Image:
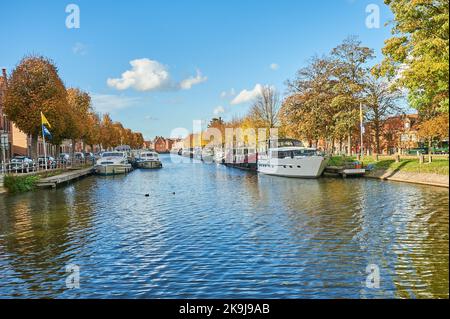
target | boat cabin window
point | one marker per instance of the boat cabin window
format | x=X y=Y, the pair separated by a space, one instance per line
x=304 y=152
x=285 y=143
x=292 y=154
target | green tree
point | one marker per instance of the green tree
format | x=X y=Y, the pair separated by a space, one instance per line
x=417 y=56
x=381 y=102
x=307 y=113
x=350 y=69
x=34 y=87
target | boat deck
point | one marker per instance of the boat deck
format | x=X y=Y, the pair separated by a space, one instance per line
x=344 y=172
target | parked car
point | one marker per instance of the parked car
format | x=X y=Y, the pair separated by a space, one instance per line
x=440 y=150
x=420 y=150
x=64 y=158
x=78 y=156
x=20 y=164
x=90 y=157
x=51 y=162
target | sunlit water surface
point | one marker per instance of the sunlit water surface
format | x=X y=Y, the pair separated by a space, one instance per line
x=208 y=231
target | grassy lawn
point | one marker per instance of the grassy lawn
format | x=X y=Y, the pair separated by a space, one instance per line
x=407 y=164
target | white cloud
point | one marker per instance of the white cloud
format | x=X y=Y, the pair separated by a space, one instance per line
x=145 y=75
x=218 y=110
x=186 y=84
x=150 y=75
x=247 y=96
x=274 y=66
x=79 y=48
x=108 y=103
x=225 y=94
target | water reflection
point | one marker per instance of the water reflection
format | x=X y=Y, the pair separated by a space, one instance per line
x=211 y=231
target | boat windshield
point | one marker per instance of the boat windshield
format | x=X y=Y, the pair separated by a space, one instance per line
x=148 y=155
x=112 y=155
x=294 y=153
x=285 y=143
x=304 y=152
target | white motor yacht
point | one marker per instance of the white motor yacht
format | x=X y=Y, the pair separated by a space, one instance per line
x=289 y=158
x=113 y=163
x=148 y=160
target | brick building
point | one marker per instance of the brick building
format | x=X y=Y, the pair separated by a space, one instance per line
x=398 y=133
x=5 y=124
x=163 y=145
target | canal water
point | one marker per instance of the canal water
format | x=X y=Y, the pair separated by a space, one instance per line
x=208 y=231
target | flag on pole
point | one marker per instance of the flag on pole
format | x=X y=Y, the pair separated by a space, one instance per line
x=45 y=131
x=44 y=120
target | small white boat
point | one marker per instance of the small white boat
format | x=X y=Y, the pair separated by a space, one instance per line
x=288 y=158
x=148 y=160
x=219 y=155
x=187 y=152
x=113 y=163
x=207 y=155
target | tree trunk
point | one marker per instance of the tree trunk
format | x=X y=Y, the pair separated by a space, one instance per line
x=377 y=139
x=429 y=150
x=34 y=147
x=72 y=149
x=349 y=143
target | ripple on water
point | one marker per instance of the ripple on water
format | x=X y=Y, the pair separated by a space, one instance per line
x=225 y=234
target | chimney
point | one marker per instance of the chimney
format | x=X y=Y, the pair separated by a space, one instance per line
x=4 y=73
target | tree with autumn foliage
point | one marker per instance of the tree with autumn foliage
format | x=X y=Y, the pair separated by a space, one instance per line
x=78 y=109
x=92 y=134
x=34 y=87
x=434 y=129
x=107 y=138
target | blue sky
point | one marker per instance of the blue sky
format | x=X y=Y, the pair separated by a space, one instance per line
x=191 y=57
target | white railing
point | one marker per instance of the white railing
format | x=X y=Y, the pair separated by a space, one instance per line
x=14 y=167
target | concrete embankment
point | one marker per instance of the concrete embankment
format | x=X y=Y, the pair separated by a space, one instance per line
x=410 y=177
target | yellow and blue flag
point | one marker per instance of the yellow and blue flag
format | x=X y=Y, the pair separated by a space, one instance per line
x=45 y=123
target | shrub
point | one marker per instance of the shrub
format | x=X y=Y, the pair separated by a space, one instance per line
x=20 y=184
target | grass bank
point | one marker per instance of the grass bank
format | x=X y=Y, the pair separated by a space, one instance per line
x=408 y=169
x=20 y=183
x=439 y=165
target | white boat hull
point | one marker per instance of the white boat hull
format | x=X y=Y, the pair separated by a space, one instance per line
x=149 y=164
x=307 y=167
x=113 y=169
